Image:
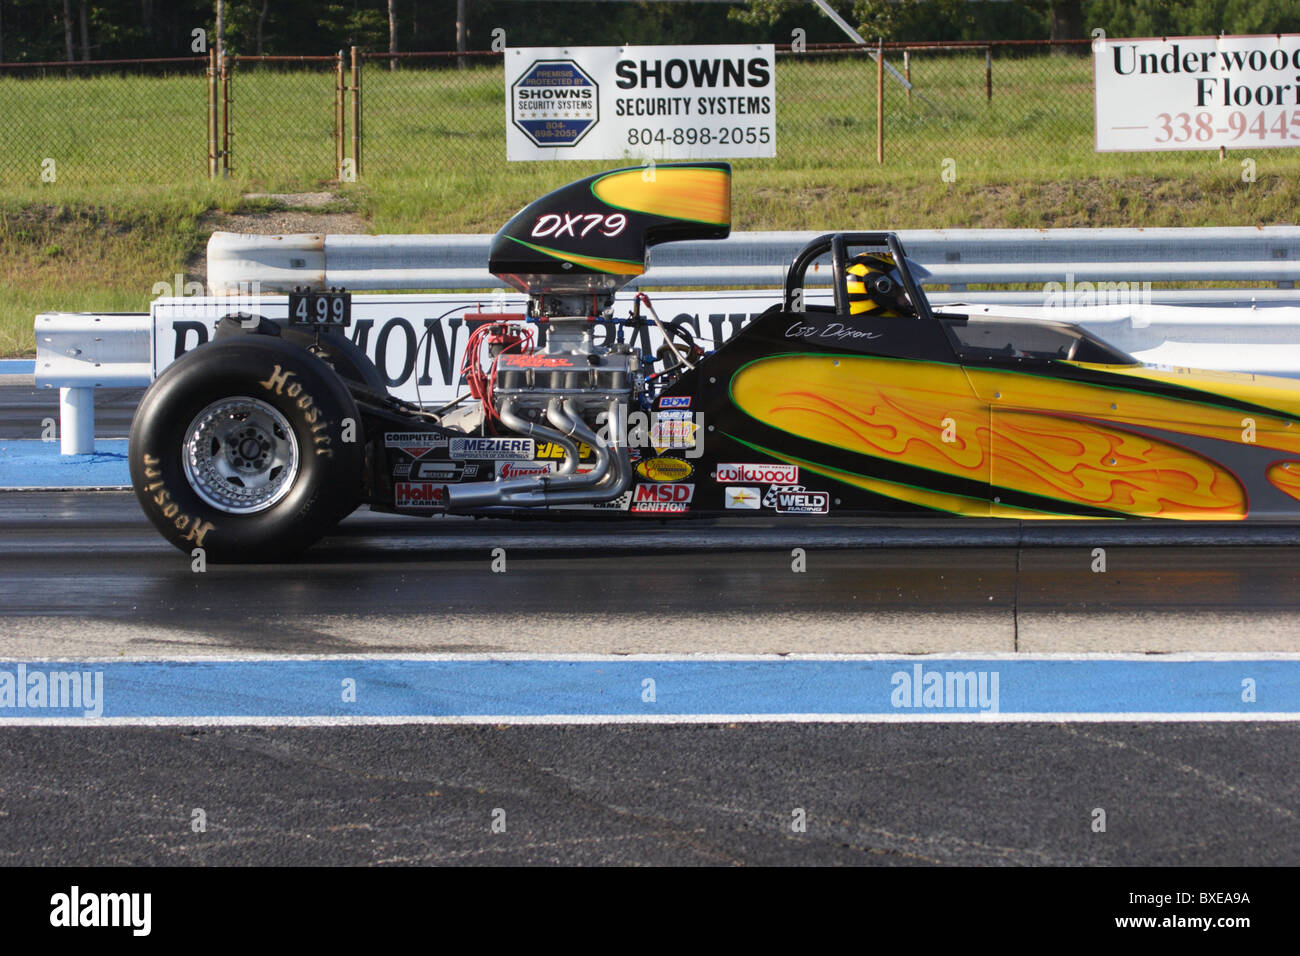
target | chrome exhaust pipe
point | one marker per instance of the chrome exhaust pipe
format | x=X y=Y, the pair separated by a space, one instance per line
x=532 y=429
x=609 y=477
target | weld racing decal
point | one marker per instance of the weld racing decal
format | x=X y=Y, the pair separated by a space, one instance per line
x=796 y=500
x=518 y=449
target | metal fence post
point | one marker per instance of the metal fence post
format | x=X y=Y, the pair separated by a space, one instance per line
x=356 y=112
x=225 y=114
x=988 y=73
x=907 y=73
x=212 y=114
x=880 y=100
x=340 y=128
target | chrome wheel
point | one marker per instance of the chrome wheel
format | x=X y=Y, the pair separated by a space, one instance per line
x=240 y=455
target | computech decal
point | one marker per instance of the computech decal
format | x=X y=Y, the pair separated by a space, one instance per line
x=671 y=499
x=415 y=444
x=649 y=102
x=763 y=474
x=491 y=449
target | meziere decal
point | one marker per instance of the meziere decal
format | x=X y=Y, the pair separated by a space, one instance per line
x=518 y=449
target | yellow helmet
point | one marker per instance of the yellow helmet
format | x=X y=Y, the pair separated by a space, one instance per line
x=875 y=287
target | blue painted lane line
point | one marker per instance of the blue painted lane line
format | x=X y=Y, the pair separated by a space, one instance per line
x=31 y=463
x=622 y=688
x=17 y=366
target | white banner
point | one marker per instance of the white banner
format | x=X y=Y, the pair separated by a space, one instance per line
x=1238 y=92
x=418 y=341
x=641 y=102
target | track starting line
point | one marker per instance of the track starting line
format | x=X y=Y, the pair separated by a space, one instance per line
x=649 y=689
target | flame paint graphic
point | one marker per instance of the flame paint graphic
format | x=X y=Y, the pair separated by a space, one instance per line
x=929 y=416
x=1285 y=476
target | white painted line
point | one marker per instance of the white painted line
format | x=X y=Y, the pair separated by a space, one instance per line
x=1173 y=657
x=594 y=719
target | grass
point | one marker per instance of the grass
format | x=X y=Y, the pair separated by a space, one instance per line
x=104 y=231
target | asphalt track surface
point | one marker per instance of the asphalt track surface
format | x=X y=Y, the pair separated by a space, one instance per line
x=83 y=576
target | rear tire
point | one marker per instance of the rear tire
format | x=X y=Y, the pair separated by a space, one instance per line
x=239 y=448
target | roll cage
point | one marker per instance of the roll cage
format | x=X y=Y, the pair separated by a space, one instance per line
x=838 y=244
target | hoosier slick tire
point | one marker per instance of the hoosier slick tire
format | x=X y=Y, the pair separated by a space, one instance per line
x=243 y=448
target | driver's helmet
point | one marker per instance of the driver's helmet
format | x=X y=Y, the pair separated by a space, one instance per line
x=875 y=286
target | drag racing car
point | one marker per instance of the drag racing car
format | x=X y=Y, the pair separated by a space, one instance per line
x=256 y=444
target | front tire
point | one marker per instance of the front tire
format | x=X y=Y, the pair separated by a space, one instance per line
x=249 y=448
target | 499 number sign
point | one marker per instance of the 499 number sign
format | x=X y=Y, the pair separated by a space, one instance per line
x=320 y=308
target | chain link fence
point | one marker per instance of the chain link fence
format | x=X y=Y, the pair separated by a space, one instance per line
x=300 y=122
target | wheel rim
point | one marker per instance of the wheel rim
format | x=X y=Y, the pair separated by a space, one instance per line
x=240 y=455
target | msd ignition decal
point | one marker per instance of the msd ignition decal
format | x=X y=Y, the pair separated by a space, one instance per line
x=748 y=499
x=415 y=444
x=492 y=449
x=661 y=102
x=796 y=500
x=417 y=494
x=675 y=499
x=554 y=102
x=761 y=474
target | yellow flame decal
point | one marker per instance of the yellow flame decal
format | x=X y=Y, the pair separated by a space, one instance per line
x=926 y=415
x=1285 y=476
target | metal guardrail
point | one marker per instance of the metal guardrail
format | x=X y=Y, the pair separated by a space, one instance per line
x=78 y=352
x=956 y=258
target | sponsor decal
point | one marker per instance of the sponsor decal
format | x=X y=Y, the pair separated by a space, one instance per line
x=525 y=469
x=548 y=449
x=417 y=494
x=774 y=474
x=798 y=501
x=674 y=415
x=663 y=498
x=446 y=470
x=402 y=469
x=536 y=361
x=664 y=469
x=675 y=401
x=415 y=444
x=672 y=434
x=749 y=499
x=518 y=449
